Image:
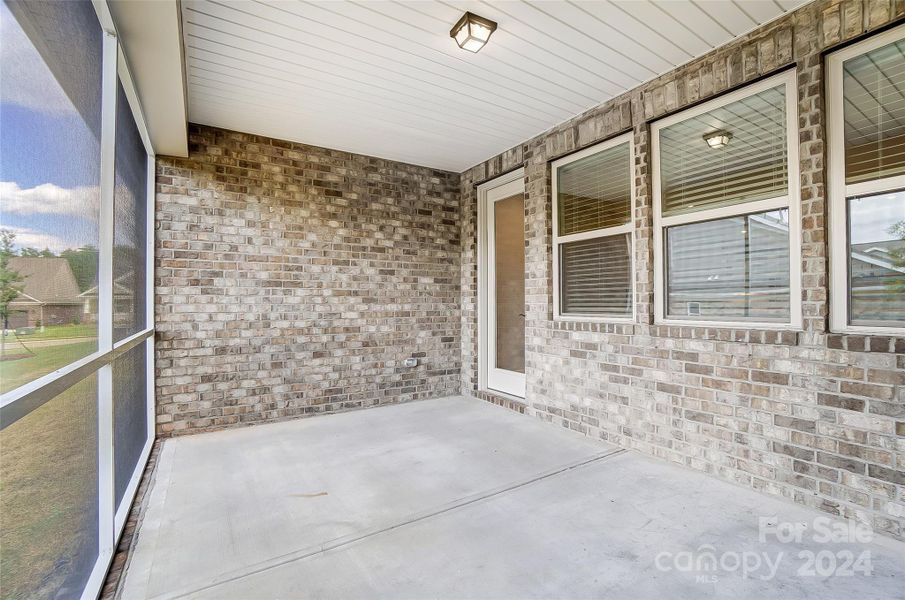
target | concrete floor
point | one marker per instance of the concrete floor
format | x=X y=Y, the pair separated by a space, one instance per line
x=457 y=498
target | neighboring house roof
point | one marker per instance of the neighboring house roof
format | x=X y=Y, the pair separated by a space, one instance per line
x=724 y=277
x=876 y=261
x=122 y=287
x=45 y=280
x=879 y=254
x=23 y=298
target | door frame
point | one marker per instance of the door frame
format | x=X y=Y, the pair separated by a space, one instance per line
x=488 y=192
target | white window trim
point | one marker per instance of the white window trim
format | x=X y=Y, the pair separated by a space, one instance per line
x=791 y=201
x=839 y=192
x=629 y=228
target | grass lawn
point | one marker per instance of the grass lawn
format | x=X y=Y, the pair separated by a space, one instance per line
x=45 y=359
x=48 y=471
x=55 y=332
x=48 y=489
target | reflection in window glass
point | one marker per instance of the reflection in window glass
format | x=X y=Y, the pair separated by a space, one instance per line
x=130 y=224
x=876 y=229
x=130 y=415
x=595 y=192
x=733 y=269
x=48 y=469
x=751 y=165
x=873 y=89
x=50 y=109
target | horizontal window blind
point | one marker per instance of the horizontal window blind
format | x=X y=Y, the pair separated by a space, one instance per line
x=595 y=192
x=595 y=276
x=873 y=93
x=753 y=166
x=734 y=268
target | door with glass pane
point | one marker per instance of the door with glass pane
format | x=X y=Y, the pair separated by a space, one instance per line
x=503 y=283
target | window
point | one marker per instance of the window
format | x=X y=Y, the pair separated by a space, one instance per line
x=593 y=238
x=726 y=215
x=76 y=338
x=866 y=101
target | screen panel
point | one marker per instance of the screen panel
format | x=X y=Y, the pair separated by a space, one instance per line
x=49 y=499
x=50 y=108
x=130 y=415
x=130 y=223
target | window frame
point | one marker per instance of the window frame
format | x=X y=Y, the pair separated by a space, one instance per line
x=627 y=228
x=21 y=401
x=838 y=192
x=790 y=201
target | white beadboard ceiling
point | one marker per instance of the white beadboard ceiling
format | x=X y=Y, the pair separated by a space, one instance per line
x=384 y=78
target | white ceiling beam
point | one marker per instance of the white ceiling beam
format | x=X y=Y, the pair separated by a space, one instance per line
x=151 y=36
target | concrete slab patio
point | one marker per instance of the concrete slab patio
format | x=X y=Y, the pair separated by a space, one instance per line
x=457 y=498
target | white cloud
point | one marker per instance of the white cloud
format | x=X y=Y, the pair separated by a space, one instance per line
x=29 y=238
x=872 y=217
x=48 y=199
x=27 y=80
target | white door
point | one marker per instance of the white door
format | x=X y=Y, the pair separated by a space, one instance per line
x=501 y=285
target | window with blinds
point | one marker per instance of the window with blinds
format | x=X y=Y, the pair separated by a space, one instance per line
x=727 y=224
x=752 y=166
x=873 y=96
x=866 y=133
x=594 y=192
x=592 y=240
x=596 y=276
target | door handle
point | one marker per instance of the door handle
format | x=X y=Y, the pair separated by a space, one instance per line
x=521 y=314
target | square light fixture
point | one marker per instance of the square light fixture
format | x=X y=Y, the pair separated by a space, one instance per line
x=718 y=139
x=471 y=32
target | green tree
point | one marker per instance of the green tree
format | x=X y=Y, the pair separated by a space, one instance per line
x=83 y=263
x=35 y=253
x=8 y=280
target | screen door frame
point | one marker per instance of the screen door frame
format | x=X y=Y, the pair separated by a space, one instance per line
x=490 y=378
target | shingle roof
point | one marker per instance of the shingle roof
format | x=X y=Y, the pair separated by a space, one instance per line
x=48 y=280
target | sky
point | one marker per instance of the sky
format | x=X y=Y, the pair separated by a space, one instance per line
x=48 y=156
x=871 y=217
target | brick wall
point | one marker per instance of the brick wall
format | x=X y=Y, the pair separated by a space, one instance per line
x=812 y=416
x=293 y=280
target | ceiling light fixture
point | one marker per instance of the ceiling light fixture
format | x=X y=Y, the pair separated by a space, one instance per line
x=471 y=32
x=718 y=139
